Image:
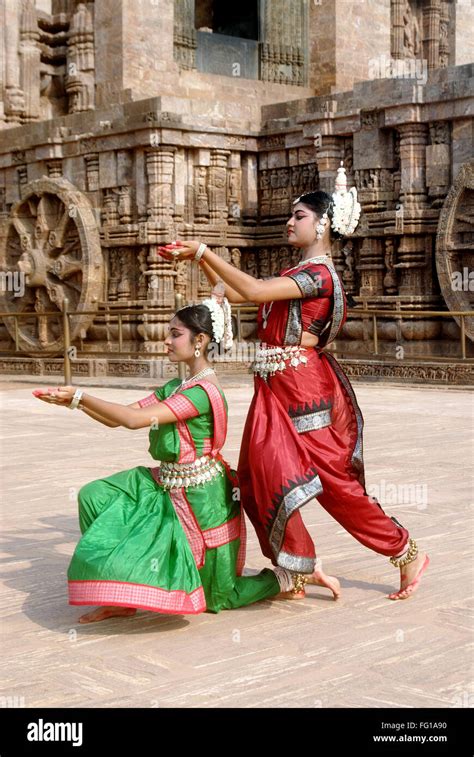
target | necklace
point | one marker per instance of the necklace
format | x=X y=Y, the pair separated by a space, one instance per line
x=205 y=372
x=316 y=259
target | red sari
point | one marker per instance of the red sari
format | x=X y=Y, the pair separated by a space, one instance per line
x=303 y=434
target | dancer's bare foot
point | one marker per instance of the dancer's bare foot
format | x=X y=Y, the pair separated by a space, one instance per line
x=319 y=578
x=410 y=576
x=102 y=613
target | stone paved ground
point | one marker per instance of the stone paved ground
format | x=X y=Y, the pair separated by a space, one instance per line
x=363 y=651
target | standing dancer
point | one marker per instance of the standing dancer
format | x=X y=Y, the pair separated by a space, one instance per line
x=168 y=539
x=303 y=435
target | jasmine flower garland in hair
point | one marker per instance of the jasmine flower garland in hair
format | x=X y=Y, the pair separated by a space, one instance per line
x=228 y=338
x=345 y=206
x=221 y=315
x=217 y=317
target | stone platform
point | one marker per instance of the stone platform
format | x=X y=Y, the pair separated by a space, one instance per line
x=363 y=651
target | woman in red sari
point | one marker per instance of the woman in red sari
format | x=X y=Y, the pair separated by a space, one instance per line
x=303 y=434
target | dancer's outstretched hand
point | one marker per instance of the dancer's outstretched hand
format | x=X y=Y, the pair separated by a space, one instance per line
x=179 y=250
x=59 y=395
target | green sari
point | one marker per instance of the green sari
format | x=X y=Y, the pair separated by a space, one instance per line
x=169 y=550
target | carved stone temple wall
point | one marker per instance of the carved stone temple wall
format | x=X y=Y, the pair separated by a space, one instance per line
x=126 y=124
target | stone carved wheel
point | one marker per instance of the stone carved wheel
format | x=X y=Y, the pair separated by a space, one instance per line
x=52 y=244
x=455 y=246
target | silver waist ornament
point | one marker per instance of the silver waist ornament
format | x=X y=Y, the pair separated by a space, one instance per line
x=270 y=360
x=197 y=473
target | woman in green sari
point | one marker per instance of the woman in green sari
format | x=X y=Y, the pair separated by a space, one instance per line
x=170 y=539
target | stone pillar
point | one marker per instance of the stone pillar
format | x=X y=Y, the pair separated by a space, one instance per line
x=371 y=267
x=431 y=19
x=234 y=193
x=283 y=51
x=161 y=278
x=30 y=62
x=22 y=179
x=80 y=79
x=109 y=204
x=217 y=192
x=412 y=264
x=124 y=287
x=390 y=278
x=55 y=169
x=161 y=287
x=184 y=34
x=181 y=280
x=438 y=159
x=180 y=186
x=142 y=278
x=444 y=35
x=397 y=29
x=114 y=274
x=413 y=139
x=14 y=95
x=249 y=188
x=159 y=169
x=348 y=267
x=329 y=156
x=124 y=206
x=202 y=160
x=92 y=172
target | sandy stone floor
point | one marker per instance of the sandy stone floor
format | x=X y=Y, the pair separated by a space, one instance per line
x=363 y=651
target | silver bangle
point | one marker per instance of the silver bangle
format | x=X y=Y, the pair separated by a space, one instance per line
x=76 y=399
x=200 y=252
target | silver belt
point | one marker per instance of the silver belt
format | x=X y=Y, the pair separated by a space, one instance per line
x=200 y=471
x=270 y=360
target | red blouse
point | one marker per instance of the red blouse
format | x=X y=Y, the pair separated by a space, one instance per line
x=287 y=319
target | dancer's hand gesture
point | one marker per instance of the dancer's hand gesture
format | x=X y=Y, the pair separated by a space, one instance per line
x=179 y=250
x=59 y=395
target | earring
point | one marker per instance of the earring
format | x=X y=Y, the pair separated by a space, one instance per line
x=197 y=351
x=321 y=226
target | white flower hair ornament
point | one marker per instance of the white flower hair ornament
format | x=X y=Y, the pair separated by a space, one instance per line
x=345 y=206
x=221 y=317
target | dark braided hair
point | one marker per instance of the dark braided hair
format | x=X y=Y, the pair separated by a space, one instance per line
x=196 y=318
x=320 y=202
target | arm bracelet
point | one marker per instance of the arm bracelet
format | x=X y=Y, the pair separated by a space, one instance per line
x=76 y=399
x=200 y=252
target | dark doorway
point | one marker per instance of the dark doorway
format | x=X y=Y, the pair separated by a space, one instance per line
x=234 y=19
